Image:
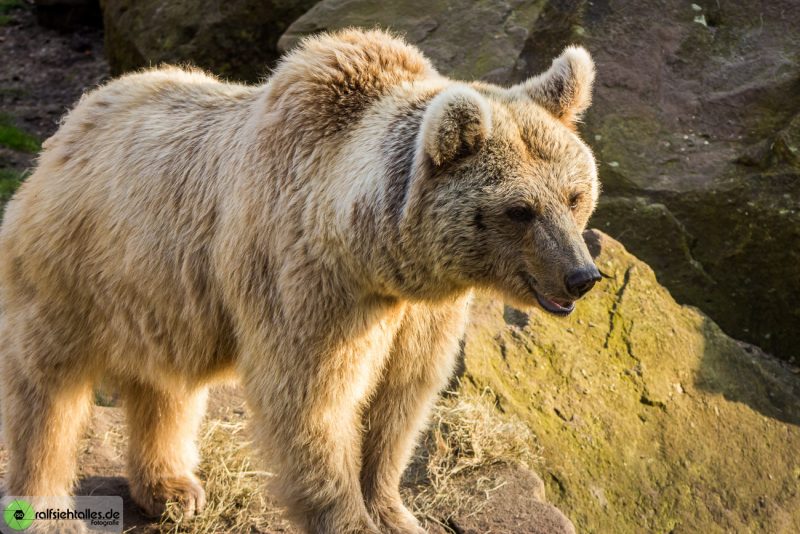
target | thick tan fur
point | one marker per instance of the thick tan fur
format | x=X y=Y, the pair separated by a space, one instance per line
x=317 y=236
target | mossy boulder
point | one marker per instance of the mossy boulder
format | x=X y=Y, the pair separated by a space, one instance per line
x=235 y=39
x=650 y=418
x=695 y=124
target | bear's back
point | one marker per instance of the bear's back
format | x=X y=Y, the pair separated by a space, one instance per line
x=127 y=190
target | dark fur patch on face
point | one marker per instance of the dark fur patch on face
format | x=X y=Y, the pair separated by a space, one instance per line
x=399 y=148
x=478 y=220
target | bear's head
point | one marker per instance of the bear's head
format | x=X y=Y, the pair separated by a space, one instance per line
x=505 y=187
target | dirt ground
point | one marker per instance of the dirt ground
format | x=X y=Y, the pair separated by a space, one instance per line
x=508 y=499
x=43 y=74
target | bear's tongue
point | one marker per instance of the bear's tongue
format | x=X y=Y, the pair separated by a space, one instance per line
x=557 y=306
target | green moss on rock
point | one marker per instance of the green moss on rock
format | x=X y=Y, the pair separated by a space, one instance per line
x=651 y=418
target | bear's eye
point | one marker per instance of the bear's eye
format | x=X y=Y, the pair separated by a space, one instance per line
x=575 y=200
x=520 y=214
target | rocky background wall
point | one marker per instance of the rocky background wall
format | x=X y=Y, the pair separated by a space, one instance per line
x=644 y=411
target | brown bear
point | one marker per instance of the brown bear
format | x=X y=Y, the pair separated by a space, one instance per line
x=317 y=236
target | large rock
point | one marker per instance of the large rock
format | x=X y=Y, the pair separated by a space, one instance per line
x=232 y=38
x=696 y=126
x=464 y=39
x=651 y=419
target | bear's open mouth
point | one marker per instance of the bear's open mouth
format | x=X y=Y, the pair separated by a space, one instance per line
x=558 y=307
x=551 y=305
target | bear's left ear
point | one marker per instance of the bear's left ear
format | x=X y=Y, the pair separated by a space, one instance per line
x=565 y=89
x=456 y=123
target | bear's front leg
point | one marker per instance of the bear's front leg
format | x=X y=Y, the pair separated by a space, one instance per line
x=419 y=366
x=162 y=452
x=306 y=407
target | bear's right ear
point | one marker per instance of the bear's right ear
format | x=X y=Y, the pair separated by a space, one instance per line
x=456 y=123
x=565 y=89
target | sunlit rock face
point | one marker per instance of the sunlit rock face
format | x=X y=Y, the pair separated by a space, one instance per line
x=650 y=418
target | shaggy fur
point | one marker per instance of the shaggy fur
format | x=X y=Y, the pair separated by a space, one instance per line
x=317 y=236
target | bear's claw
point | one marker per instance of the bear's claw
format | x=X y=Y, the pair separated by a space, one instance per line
x=185 y=492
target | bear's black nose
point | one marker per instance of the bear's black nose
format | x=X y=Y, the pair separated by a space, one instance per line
x=580 y=281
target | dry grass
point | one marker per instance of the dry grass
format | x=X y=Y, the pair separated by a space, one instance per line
x=468 y=436
x=234 y=486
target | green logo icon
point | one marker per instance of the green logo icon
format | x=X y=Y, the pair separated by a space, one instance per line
x=18 y=514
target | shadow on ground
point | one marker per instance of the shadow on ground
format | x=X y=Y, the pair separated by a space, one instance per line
x=134 y=521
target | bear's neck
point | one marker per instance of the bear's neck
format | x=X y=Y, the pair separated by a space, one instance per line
x=384 y=233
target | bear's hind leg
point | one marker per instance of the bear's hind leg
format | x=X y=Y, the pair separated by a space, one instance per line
x=162 y=453
x=44 y=410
